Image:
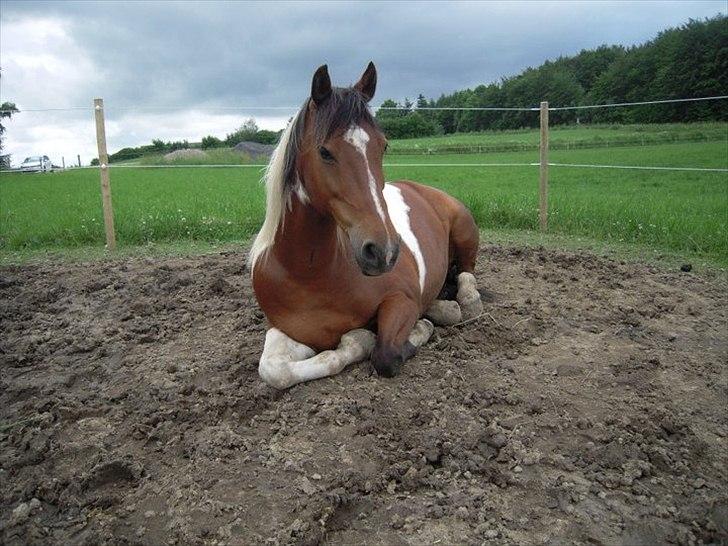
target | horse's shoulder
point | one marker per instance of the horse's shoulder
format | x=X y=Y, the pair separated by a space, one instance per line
x=438 y=200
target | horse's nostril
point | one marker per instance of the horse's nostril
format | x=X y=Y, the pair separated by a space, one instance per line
x=370 y=252
x=373 y=258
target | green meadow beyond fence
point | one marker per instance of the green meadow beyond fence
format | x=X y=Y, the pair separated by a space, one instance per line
x=595 y=204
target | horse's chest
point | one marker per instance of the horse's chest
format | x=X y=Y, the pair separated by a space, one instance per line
x=314 y=312
x=305 y=298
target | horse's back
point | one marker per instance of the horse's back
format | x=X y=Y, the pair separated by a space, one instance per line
x=446 y=207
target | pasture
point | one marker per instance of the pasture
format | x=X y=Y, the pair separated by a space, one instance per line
x=682 y=212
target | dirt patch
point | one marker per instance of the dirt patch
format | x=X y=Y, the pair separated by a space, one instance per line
x=587 y=406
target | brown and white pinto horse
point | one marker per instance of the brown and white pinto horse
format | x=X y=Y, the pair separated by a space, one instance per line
x=342 y=255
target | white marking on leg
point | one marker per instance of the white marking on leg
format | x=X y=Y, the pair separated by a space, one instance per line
x=468 y=296
x=399 y=214
x=286 y=362
x=358 y=137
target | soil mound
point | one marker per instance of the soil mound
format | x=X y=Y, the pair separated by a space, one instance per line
x=187 y=153
x=254 y=149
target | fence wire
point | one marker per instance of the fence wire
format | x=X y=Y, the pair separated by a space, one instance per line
x=427 y=108
x=617 y=104
x=420 y=165
x=242 y=166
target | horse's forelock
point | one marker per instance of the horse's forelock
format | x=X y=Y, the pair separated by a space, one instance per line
x=344 y=107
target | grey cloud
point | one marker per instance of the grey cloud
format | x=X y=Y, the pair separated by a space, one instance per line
x=186 y=54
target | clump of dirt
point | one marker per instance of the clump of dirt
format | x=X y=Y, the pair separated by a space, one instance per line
x=586 y=405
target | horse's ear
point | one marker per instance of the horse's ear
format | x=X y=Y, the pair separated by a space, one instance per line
x=321 y=85
x=367 y=85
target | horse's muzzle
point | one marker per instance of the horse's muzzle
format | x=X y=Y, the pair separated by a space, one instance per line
x=375 y=259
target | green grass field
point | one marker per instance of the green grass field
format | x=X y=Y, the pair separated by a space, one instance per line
x=565 y=137
x=685 y=212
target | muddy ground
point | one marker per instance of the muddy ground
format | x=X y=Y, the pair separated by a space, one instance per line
x=587 y=406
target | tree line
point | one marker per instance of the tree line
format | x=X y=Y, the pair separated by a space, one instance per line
x=247 y=132
x=683 y=62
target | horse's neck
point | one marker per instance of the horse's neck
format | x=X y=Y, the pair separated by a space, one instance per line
x=306 y=245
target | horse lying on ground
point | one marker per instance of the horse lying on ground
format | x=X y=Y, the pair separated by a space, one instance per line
x=342 y=255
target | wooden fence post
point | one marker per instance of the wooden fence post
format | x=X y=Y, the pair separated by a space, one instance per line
x=104 y=170
x=543 y=185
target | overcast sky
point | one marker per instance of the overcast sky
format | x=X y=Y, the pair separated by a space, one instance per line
x=164 y=67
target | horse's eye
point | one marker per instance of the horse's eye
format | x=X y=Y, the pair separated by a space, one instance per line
x=326 y=155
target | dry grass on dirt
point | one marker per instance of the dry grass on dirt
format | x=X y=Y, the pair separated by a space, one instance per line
x=587 y=406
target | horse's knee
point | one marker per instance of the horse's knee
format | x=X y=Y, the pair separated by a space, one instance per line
x=274 y=373
x=279 y=351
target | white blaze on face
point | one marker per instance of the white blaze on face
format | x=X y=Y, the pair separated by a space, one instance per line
x=358 y=137
x=399 y=215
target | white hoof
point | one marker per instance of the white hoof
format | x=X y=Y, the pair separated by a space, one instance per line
x=468 y=296
x=421 y=332
x=444 y=312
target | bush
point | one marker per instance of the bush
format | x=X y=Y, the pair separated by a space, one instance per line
x=245 y=133
x=178 y=145
x=413 y=125
x=125 y=153
x=211 y=142
x=267 y=137
x=158 y=145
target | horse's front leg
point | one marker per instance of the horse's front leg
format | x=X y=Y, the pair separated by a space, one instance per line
x=399 y=333
x=285 y=362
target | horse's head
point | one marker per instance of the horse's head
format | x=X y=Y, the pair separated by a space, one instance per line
x=339 y=167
